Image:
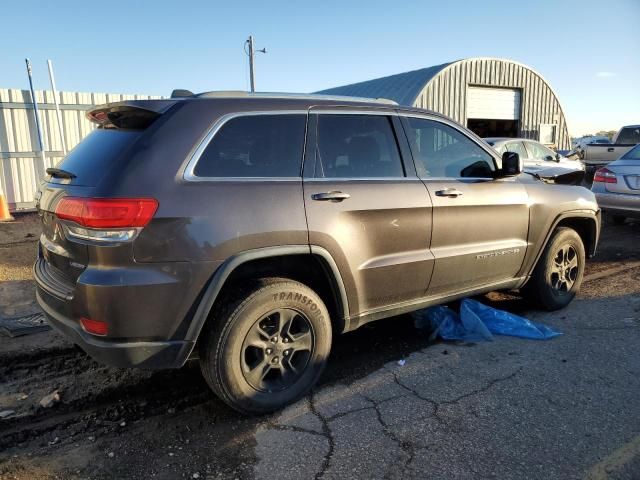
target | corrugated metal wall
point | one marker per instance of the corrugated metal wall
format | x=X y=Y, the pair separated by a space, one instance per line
x=447 y=93
x=19 y=154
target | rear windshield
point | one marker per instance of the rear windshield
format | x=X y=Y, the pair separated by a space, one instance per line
x=92 y=157
x=629 y=135
x=633 y=154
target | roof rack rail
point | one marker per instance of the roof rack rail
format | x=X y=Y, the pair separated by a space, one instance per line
x=295 y=96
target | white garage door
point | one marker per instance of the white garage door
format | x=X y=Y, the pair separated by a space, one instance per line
x=493 y=103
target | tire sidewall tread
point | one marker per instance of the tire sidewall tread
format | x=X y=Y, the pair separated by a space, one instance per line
x=226 y=325
x=538 y=288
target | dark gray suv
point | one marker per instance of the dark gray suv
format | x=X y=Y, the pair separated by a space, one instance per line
x=248 y=229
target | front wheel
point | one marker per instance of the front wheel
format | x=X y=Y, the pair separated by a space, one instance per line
x=558 y=275
x=266 y=347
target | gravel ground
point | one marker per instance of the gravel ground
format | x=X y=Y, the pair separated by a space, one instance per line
x=565 y=408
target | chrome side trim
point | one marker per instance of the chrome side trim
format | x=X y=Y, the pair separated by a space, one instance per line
x=349 y=110
x=360 y=179
x=189 y=175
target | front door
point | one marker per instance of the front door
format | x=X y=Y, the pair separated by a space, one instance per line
x=367 y=208
x=480 y=224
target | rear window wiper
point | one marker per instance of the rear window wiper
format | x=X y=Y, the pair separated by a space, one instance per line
x=59 y=173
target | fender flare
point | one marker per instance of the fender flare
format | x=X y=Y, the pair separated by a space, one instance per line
x=219 y=278
x=592 y=215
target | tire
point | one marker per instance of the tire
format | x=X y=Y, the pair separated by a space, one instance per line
x=266 y=347
x=558 y=274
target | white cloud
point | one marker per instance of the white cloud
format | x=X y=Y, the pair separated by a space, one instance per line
x=606 y=74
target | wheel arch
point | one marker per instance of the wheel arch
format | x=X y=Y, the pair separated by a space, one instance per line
x=314 y=266
x=585 y=222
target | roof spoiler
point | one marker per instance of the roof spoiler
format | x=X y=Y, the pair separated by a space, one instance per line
x=129 y=115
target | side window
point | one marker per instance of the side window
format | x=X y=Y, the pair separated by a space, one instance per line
x=442 y=151
x=516 y=147
x=356 y=146
x=540 y=152
x=255 y=146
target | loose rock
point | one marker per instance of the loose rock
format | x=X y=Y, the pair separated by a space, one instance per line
x=50 y=400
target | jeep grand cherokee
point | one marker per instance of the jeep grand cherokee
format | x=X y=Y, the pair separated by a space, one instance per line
x=247 y=229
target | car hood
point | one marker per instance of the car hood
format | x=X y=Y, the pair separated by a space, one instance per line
x=563 y=174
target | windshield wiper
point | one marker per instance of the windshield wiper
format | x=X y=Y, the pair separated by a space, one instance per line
x=59 y=173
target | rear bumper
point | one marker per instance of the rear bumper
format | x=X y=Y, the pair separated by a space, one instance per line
x=619 y=203
x=116 y=353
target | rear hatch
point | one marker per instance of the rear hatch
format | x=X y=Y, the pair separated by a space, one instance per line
x=62 y=259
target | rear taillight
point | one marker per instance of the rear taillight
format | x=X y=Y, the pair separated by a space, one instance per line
x=604 y=175
x=106 y=219
x=107 y=212
x=94 y=327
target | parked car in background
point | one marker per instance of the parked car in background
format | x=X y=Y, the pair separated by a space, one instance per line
x=246 y=230
x=617 y=186
x=596 y=155
x=541 y=160
x=580 y=144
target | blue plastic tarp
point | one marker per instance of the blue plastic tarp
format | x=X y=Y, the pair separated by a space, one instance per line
x=478 y=322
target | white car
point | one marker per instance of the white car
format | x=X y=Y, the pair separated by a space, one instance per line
x=541 y=160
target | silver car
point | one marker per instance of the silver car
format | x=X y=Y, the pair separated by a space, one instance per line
x=617 y=186
x=541 y=160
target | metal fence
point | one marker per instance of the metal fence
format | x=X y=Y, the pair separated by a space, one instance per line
x=20 y=161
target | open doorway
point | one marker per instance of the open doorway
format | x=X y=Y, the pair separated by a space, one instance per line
x=493 y=128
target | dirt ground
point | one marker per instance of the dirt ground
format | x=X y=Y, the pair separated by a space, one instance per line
x=116 y=423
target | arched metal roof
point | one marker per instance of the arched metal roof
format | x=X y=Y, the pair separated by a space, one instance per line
x=443 y=88
x=403 y=88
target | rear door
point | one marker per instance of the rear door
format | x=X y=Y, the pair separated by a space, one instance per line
x=480 y=224
x=367 y=207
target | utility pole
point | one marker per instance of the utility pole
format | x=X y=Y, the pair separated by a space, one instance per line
x=251 y=54
x=36 y=114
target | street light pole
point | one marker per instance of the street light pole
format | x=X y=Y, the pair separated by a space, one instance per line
x=36 y=114
x=251 y=54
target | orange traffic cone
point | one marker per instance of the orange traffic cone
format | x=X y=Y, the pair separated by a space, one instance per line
x=4 y=209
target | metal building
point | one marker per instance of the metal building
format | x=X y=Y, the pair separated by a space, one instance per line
x=493 y=97
x=21 y=166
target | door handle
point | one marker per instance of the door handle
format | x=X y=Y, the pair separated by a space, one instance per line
x=610 y=149
x=449 y=192
x=330 y=196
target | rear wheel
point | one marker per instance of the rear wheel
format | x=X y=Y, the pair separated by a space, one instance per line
x=558 y=275
x=266 y=347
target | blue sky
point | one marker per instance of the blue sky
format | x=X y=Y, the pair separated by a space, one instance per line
x=588 y=51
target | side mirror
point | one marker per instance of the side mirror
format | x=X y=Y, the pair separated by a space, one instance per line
x=511 y=164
